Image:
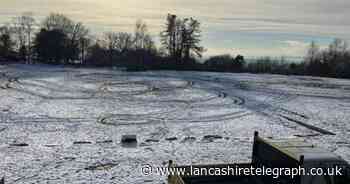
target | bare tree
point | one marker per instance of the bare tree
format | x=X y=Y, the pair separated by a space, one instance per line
x=124 y=42
x=149 y=44
x=168 y=36
x=181 y=38
x=337 y=48
x=84 y=46
x=140 y=33
x=23 y=27
x=142 y=38
x=191 y=38
x=313 y=53
x=59 y=22
x=78 y=40
x=110 y=40
x=18 y=30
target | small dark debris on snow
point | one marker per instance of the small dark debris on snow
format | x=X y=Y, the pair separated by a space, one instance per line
x=82 y=142
x=151 y=140
x=144 y=144
x=69 y=158
x=171 y=138
x=101 y=167
x=211 y=138
x=105 y=141
x=19 y=144
x=51 y=145
x=189 y=139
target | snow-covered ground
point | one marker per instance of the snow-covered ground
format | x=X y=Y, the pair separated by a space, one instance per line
x=72 y=120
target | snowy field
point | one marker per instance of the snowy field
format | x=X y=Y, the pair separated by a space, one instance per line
x=64 y=125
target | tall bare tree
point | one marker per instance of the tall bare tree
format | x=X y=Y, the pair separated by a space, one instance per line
x=313 y=53
x=168 y=36
x=142 y=38
x=337 y=48
x=59 y=22
x=191 y=38
x=182 y=37
x=140 y=33
x=124 y=42
x=85 y=44
x=24 y=26
x=110 y=40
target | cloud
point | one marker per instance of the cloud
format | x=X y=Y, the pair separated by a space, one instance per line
x=294 y=48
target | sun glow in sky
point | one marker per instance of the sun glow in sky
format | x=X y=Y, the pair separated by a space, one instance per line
x=249 y=27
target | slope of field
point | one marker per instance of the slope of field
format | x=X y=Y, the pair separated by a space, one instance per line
x=64 y=125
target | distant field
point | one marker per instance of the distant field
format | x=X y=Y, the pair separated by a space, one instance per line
x=64 y=125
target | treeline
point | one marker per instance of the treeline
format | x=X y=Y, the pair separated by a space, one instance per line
x=60 y=40
x=332 y=61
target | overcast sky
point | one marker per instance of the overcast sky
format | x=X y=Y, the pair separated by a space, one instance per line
x=249 y=27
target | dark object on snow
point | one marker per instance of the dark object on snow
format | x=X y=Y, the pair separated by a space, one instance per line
x=171 y=139
x=127 y=139
x=51 y=145
x=19 y=145
x=211 y=138
x=2 y=181
x=106 y=166
x=151 y=140
x=105 y=141
x=82 y=142
x=188 y=139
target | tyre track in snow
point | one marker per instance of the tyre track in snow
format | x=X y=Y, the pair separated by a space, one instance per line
x=266 y=107
x=224 y=88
